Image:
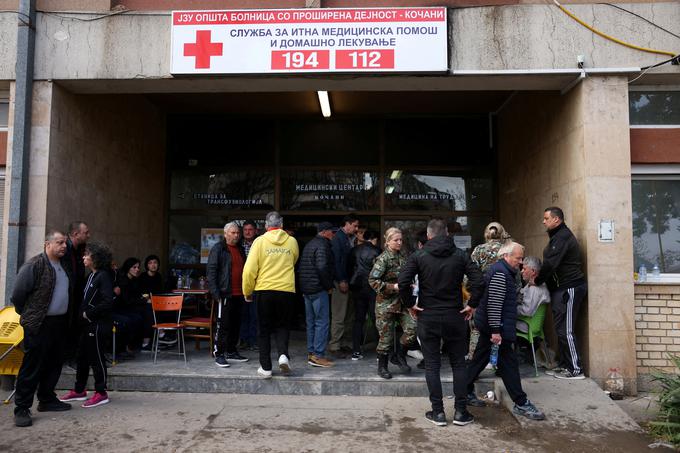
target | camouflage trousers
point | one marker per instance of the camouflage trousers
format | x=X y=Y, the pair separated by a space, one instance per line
x=386 y=323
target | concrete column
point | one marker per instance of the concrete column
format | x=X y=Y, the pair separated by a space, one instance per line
x=37 y=176
x=611 y=299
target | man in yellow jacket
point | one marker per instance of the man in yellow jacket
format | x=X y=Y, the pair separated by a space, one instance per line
x=269 y=278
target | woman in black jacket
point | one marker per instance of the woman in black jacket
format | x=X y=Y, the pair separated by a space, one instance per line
x=360 y=264
x=95 y=314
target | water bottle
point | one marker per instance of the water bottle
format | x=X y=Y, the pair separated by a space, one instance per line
x=656 y=272
x=613 y=385
x=642 y=275
x=493 y=359
x=179 y=282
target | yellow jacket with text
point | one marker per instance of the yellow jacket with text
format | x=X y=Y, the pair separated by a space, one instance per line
x=271 y=263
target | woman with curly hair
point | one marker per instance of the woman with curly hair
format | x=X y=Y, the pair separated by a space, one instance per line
x=95 y=314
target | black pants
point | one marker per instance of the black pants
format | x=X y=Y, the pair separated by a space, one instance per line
x=43 y=358
x=508 y=367
x=451 y=329
x=566 y=304
x=228 y=324
x=91 y=355
x=274 y=310
x=128 y=329
x=364 y=303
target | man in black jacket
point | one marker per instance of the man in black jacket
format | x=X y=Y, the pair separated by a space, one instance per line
x=316 y=279
x=41 y=297
x=225 y=272
x=567 y=284
x=440 y=268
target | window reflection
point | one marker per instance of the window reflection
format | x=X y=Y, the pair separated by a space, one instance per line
x=345 y=190
x=406 y=190
x=656 y=224
x=654 y=108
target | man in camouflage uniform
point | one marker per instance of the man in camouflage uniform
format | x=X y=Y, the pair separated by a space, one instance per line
x=389 y=309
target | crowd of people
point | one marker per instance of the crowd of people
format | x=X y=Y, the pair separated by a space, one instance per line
x=438 y=299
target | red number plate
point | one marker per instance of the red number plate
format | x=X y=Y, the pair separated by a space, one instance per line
x=364 y=59
x=300 y=59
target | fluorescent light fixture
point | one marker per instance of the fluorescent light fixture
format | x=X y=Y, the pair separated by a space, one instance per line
x=396 y=174
x=324 y=103
x=389 y=189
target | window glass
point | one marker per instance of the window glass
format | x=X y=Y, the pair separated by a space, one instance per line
x=228 y=189
x=656 y=224
x=435 y=190
x=4 y=114
x=654 y=107
x=329 y=142
x=321 y=190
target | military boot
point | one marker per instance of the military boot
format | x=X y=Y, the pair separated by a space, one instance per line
x=401 y=359
x=383 y=372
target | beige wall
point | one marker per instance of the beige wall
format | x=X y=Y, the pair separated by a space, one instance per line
x=573 y=151
x=100 y=159
x=107 y=167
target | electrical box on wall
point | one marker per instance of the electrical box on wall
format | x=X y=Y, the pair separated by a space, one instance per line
x=605 y=231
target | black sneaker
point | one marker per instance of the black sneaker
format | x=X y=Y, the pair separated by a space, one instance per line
x=529 y=411
x=54 y=406
x=357 y=356
x=473 y=401
x=570 y=375
x=22 y=418
x=438 y=419
x=462 y=418
x=221 y=362
x=236 y=357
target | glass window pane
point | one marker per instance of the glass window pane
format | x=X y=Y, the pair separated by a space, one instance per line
x=329 y=142
x=321 y=190
x=231 y=189
x=438 y=141
x=656 y=224
x=654 y=107
x=428 y=190
x=4 y=114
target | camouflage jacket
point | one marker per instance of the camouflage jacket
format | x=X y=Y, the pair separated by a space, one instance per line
x=385 y=271
x=484 y=255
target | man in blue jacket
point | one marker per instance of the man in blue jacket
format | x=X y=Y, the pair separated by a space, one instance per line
x=496 y=319
x=342 y=248
x=316 y=279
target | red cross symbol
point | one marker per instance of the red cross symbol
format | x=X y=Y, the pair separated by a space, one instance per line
x=203 y=49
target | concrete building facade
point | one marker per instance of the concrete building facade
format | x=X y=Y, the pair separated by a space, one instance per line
x=560 y=126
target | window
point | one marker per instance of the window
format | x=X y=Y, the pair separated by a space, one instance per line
x=4 y=114
x=656 y=218
x=654 y=108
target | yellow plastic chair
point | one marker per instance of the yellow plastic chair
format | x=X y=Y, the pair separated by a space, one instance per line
x=11 y=335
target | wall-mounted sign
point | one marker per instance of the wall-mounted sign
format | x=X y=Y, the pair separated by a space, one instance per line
x=346 y=190
x=309 y=40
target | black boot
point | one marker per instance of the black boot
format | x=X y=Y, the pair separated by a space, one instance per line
x=383 y=372
x=401 y=360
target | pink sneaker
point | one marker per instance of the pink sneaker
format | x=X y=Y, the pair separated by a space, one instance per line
x=72 y=395
x=97 y=400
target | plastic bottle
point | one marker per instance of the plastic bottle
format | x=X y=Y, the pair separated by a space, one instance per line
x=614 y=384
x=179 y=282
x=493 y=358
x=656 y=272
x=642 y=274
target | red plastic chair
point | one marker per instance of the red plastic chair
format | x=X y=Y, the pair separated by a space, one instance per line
x=168 y=303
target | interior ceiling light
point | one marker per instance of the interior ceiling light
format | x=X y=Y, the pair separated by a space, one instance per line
x=324 y=103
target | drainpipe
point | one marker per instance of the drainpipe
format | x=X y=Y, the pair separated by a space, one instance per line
x=21 y=135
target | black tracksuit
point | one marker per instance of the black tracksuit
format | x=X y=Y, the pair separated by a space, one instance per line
x=96 y=306
x=440 y=268
x=562 y=273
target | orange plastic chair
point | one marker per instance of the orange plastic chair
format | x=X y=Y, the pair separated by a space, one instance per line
x=206 y=324
x=168 y=303
x=11 y=335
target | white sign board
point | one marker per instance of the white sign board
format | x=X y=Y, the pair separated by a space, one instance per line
x=309 y=40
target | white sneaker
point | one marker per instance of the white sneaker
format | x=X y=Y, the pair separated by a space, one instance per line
x=415 y=353
x=264 y=373
x=284 y=364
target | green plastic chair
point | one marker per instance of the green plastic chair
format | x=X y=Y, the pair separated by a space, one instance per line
x=535 y=331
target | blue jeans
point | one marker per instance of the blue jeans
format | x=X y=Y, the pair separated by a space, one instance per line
x=317 y=310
